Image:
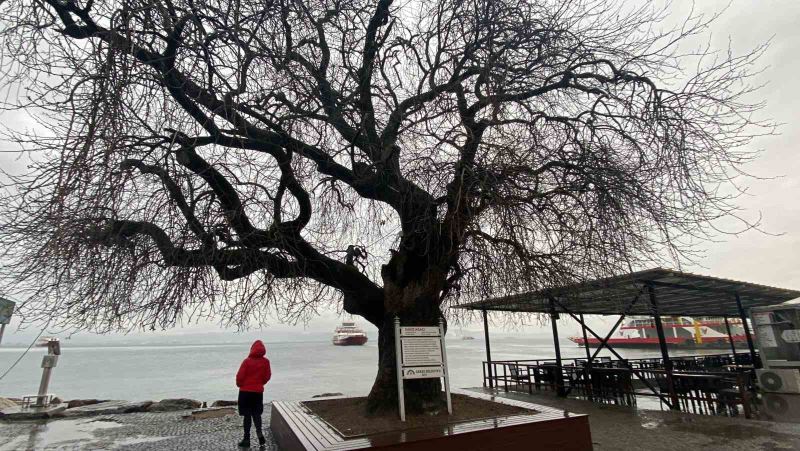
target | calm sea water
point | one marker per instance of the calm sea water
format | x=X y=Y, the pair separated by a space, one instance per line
x=206 y=371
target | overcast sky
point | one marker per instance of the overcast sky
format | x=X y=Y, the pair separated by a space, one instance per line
x=752 y=256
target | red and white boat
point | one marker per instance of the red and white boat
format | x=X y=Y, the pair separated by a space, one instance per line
x=679 y=331
x=349 y=335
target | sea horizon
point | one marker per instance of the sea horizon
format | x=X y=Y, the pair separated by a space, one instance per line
x=206 y=371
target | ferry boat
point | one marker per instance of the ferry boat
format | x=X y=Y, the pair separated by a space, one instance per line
x=349 y=335
x=681 y=331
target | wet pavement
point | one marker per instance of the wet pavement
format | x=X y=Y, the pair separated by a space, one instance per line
x=627 y=428
x=134 y=431
x=613 y=428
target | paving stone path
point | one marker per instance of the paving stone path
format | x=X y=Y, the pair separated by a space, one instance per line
x=135 y=432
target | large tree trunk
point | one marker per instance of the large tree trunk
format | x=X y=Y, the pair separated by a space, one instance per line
x=421 y=395
x=414 y=297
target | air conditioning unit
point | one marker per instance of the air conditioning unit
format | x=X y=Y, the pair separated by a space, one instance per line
x=779 y=380
x=780 y=407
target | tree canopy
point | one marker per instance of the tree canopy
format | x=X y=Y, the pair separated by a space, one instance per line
x=235 y=159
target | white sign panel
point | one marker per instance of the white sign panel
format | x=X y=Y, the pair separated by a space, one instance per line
x=420 y=351
x=419 y=331
x=420 y=354
x=791 y=336
x=422 y=372
x=766 y=337
x=761 y=318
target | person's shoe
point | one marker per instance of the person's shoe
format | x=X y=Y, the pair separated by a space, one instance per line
x=262 y=441
x=244 y=443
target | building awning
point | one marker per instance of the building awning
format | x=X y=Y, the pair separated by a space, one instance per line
x=677 y=294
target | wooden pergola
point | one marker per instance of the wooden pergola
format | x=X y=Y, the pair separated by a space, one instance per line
x=653 y=292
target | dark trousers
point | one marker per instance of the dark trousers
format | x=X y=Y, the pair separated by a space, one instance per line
x=252 y=419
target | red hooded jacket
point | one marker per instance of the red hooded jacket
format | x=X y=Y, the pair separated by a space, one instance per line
x=254 y=371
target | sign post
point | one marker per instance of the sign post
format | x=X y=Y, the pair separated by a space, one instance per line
x=6 y=310
x=420 y=354
x=49 y=361
x=444 y=365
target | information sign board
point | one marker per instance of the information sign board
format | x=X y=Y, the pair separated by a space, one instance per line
x=420 y=354
x=421 y=351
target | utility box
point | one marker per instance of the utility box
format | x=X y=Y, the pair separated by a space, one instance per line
x=777 y=330
x=780 y=407
x=49 y=361
x=6 y=310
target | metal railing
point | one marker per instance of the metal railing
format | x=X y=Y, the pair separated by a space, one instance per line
x=716 y=384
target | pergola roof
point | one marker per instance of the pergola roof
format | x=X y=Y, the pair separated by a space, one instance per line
x=677 y=294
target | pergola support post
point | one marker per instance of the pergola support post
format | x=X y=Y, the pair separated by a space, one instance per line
x=559 y=369
x=747 y=334
x=662 y=342
x=488 y=348
x=730 y=339
x=588 y=359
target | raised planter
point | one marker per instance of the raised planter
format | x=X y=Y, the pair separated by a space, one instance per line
x=295 y=427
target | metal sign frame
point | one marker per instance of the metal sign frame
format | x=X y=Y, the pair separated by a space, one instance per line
x=440 y=370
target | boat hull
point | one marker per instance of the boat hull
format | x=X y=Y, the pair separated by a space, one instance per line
x=350 y=341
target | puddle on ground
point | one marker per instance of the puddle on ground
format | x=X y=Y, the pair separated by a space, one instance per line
x=704 y=425
x=56 y=433
x=139 y=439
x=649 y=421
x=654 y=424
x=727 y=431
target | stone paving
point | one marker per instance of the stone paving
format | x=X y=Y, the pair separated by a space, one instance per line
x=613 y=428
x=134 y=432
x=618 y=428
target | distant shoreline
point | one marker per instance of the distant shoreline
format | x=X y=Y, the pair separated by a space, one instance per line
x=68 y=344
x=65 y=344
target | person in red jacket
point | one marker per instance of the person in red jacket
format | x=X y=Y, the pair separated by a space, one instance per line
x=253 y=374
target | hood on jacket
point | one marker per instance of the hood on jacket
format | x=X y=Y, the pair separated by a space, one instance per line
x=257 y=349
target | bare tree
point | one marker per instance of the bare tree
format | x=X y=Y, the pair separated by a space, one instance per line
x=235 y=159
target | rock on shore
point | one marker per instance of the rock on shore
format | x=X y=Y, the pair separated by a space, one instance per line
x=10 y=409
x=6 y=403
x=223 y=403
x=326 y=395
x=71 y=404
x=107 y=408
x=169 y=405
